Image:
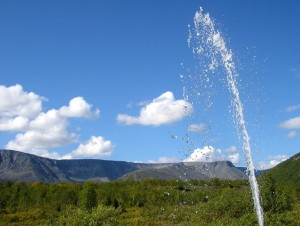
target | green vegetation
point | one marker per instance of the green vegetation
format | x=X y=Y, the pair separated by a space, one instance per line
x=287 y=171
x=148 y=202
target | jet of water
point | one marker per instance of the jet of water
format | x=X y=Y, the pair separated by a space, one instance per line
x=208 y=41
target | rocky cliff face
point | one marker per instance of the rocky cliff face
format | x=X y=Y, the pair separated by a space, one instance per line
x=29 y=168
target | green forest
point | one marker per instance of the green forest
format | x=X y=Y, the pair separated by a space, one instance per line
x=148 y=202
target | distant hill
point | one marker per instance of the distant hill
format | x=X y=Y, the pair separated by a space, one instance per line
x=19 y=166
x=257 y=172
x=25 y=167
x=287 y=171
x=189 y=170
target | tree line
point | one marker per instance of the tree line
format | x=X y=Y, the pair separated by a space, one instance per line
x=148 y=202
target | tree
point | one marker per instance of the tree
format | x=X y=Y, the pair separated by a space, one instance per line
x=88 y=196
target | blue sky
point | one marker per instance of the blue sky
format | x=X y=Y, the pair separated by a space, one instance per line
x=106 y=79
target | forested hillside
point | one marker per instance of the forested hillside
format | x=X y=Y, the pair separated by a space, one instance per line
x=287 y=171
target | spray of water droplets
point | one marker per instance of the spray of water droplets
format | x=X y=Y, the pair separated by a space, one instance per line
x=210 y=49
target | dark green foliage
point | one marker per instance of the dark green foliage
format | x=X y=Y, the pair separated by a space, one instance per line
x=149 y=202
x=88 y=196
x=276 y=198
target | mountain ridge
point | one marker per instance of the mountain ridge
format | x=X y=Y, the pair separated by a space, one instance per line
x=19 y=166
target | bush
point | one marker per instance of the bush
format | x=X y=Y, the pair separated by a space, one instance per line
x=88 y=197
x=98 y=216
x=275 y=198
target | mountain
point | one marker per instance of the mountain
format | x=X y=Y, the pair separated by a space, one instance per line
x=29 y=168
x=25 y=167
x=287 y=171
x=19 y=166
x=257 y=172
x=188 y=171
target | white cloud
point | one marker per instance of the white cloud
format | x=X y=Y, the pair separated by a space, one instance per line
x=17 y=107
x=211 y=154
x=18 y=123
x=95 y=147
x=272 y=161
x=48 y=130
x=205 y=154
x=293 y=123
x=40 y=131
x=233 y=154
x=16 y=102
x=292 y=108
x=234 y=158
x=78 y=108
x=164 y=160
x=200 y=128
x=162 y=110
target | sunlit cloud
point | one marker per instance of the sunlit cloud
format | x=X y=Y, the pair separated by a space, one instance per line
x=293 y=123
x=211 y=154
x=39 y=131
x=94 y=147
x=16 y=102
x=78 y=108
x=17 y=107
x=48 y=130
x=18 y=123
x=162 y=110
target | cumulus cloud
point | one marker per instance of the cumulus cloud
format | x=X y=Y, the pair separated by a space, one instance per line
x=18 y=123
x=78 y=108
x=17 y=107
x=234 y=158
x=293 y=123
x=205 y=154
x=48 y=130
x=272 y=161
x=233 y=154
x=211 y=154
x=16 y=102
x=199 y=128
x=40 y=131
x=162 y=110
x=94 y=147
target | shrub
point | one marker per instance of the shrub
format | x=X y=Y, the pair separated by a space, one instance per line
x=98 y=216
